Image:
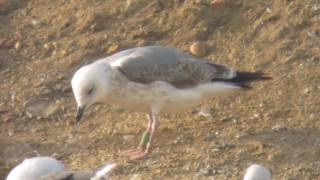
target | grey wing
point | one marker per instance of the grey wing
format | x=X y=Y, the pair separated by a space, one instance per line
x=68 y=175
x=156 y=63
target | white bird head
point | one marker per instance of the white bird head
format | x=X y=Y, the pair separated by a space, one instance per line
x=257 y=172
x=34 y=168
x=90 y=86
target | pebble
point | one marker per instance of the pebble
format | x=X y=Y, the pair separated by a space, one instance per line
x=307 y=90
x=10 y=133
x=113 y=48
x=40 y=108
x=204 y=172
x=127 y=137
x=35 y=22
x=205 y=111
x=255 y=116
x=198 y=49
x=268 y=9
x=17 y=45
x=313 y=34
x=47 y=46
x=278 y=128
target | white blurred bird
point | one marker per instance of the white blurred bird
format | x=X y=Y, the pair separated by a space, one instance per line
x=34 y=168
x=257 y=172
x=48 y=168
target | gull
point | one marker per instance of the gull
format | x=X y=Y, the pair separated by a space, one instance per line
x=34 y=168
x=257 y=172
x=101 y=174
x=154 y=80
x=48 y=168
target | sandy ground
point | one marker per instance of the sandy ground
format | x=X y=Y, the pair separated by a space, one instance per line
x=276 y=124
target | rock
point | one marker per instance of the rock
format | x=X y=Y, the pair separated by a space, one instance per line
x=17 y=45
x=198 y=49
x=278 y=128
x=113 y=48
x=204 y=171
x=10 y=133
x=306 y=90
x=48 y=46
x=313 y=34
x=205 y=111
x=40 y=108
x=35 y=22
x=127 y=137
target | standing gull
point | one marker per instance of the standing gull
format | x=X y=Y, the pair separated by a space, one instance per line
x=154 y=80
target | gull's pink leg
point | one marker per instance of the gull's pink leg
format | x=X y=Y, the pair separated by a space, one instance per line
x=148 y=147
x=143 y=141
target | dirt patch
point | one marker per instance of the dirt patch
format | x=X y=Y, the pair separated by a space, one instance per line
x=43 y=42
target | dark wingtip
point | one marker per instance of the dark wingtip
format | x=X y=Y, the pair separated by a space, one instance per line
x=243 y=79
x=251 y=76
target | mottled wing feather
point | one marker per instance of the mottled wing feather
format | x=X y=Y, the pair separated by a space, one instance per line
x=155 y=63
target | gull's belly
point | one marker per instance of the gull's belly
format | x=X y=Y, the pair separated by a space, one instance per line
x=157 y=97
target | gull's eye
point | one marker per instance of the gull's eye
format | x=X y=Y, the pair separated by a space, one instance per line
x=90 y=91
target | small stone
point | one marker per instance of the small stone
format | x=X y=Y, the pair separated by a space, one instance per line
x=47 y=46
x=93 y=26
x=17 y=45
x=64 y=52
x=55 y=45
x=278 y=128
x=204 y=172
x=313 y=34
x=58 y=87
x=35 y=22
x=45 y=91
x=205 y=111
x=128 y=137
x=40 y=108
x=307 y=90
x=268 y=9
x=6 y=119
x=113 y=48
x=10 y=133
x=255 y=116
x=198 y=49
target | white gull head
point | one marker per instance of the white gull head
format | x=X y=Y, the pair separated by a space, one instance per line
x=257 y=172
x=90 y=85
x=34 y=168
